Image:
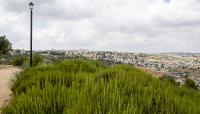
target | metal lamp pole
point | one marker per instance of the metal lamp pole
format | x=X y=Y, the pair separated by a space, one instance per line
x=31 y=29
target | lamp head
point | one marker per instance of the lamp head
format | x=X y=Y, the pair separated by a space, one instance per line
x=31 y=5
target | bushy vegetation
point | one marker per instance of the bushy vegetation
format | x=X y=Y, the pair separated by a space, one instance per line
x=169 y=79
x=190 y=83
x=37 y=59
x=88 y=87
x=23 y=60
x=19 y=60
x=5 y=45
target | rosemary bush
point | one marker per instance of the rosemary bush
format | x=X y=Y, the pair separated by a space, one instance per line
x=88 y=87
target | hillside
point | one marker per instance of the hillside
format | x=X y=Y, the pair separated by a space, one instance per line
x=88 y=87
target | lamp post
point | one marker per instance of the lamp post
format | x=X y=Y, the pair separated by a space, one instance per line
x=31 y=28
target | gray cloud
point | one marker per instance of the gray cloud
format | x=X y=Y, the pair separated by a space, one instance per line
x=124 y=25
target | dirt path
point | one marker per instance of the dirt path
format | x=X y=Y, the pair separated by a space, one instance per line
x=6 y=74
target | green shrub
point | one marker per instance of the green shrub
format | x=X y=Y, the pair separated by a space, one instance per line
x=19 y=60
x=37 y=59
x=169 y=79
x=22 y=60
x=88 y=87
x=190 y=83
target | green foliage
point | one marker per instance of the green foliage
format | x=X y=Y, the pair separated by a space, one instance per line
x=109 y=62
x=37 y=59
x=22 y=60
x=5 y=45
x=169 y=79
x=190 y=83
x=88 y=87
x=19 y=60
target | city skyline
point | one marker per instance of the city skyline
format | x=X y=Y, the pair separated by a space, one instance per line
x=113 y=25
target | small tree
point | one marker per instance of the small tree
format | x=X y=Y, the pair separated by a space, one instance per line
x=5 y=45
x=190 y=83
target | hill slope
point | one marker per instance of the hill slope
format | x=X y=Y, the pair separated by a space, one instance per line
x=88 y=87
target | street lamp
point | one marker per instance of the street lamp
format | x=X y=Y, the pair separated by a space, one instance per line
x=31 y=28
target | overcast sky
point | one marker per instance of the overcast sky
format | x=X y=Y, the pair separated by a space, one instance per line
x=119 y=25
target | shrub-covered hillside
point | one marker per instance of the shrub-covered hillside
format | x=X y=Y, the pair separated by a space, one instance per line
x=88 y=87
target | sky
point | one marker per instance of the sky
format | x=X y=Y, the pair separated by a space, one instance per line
x=114 y=25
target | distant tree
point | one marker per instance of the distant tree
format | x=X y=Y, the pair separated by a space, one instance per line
x=190 y=83
x=5 y=45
